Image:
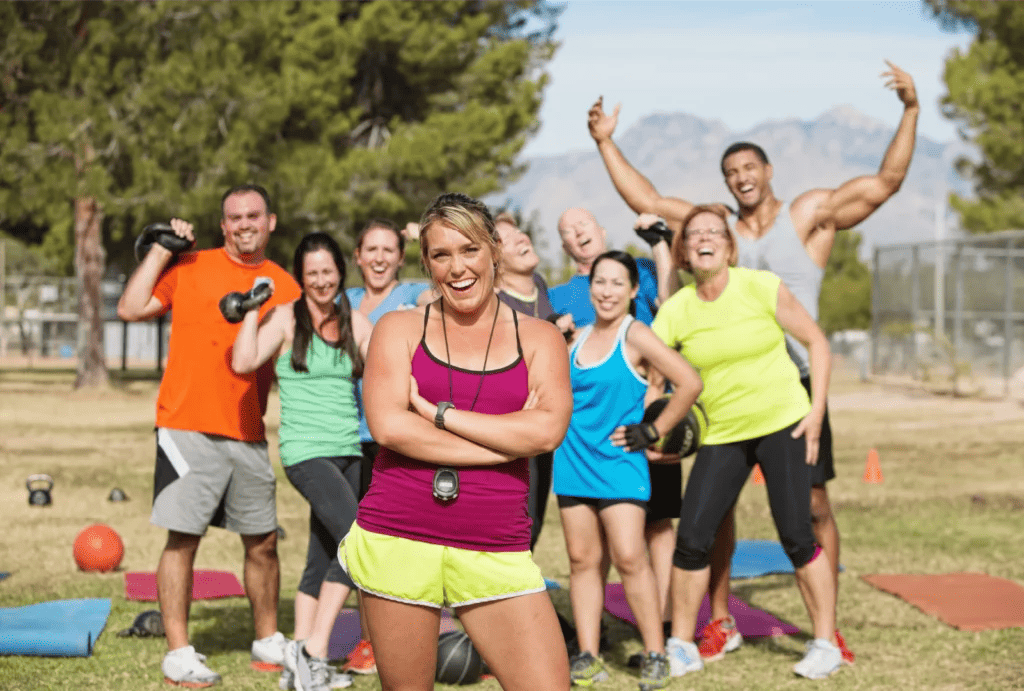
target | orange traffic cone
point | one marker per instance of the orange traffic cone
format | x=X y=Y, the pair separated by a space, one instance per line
x=758 y=478
x=872 y=469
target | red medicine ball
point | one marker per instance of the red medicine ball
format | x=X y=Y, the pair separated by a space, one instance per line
x=98 y=548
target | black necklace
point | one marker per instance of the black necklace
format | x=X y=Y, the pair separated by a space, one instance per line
x=447 y=352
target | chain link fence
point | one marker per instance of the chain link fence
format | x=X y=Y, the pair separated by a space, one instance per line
x=950 y=315
x=39 y=322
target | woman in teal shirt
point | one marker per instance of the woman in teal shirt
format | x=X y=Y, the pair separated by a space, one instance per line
x=730 y=325
x=318 y=344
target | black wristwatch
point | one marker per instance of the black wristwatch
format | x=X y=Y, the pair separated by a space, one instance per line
x=442 y=408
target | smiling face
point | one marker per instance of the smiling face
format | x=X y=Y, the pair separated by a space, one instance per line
x=321 y=278
x=517 y=253
x=748 y=178
x=462 y=269
x=708 y=243
x=583 y=238
x=379 y=259
x=247 y=226
x=611 y=290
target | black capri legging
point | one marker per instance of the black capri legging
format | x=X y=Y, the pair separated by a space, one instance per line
x=329 y=485
x=718 y=475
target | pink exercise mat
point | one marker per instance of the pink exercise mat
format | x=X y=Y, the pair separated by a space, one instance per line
x=206 y=585
x=750 y=621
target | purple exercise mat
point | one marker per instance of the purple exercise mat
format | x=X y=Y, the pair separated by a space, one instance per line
x=750 y=621
x=345 y=635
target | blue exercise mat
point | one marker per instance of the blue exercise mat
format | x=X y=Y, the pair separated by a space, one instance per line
x=754 y=558
x=61 y=628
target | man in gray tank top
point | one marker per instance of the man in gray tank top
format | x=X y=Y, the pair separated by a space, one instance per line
x=793 y=240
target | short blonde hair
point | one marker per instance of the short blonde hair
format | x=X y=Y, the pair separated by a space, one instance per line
x=469 y=216
x=679 y=239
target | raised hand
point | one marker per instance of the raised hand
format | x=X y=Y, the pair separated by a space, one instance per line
x=601 y=124
x=902 y=83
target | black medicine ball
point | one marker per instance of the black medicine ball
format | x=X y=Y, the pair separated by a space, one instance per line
x=685 y=438
x=458 y=662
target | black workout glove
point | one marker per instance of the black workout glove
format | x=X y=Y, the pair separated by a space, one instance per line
x=160 y=234
x=640 y=436
x=234 y=305
x=655 y=233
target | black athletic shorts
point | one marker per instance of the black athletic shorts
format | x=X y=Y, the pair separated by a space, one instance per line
x=666 y=491
x=825 y=469
x=565 y=502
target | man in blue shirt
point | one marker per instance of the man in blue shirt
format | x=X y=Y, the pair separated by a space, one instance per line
x=584 y=239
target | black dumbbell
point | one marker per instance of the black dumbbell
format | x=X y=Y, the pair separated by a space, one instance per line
x=160 y=234
x=234 y=305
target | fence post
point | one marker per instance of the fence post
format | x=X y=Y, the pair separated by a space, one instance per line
x=876 y=286
x=1007 y=316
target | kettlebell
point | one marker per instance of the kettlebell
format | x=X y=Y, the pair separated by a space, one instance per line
x=39 y=486
x=117 y=494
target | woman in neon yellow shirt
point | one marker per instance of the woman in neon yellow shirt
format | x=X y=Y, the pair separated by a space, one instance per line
x=730 y=325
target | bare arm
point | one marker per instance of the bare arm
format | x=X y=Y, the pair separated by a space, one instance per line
x=686 y=383
x=386 y=394
x=855 y=200
x=796 y=321
x=361 y=331
x=257 y=342
x=636 y=190
x=665 y=268
x=137 y=302
x=539 y=427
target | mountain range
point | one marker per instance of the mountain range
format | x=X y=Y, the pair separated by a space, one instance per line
x=679 y=153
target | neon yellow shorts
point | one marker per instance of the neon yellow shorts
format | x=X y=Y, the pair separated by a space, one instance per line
x=422 y=573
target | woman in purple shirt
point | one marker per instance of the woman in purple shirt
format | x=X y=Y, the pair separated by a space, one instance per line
x=459 y=393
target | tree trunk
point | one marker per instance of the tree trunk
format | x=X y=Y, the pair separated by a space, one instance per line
x=90 y=260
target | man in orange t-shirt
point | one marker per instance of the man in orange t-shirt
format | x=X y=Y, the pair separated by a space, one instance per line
x=212 y=466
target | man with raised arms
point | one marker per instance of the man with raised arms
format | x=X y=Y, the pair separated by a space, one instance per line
x=794 y=240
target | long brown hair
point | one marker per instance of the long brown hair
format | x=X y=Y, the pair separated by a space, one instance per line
x=341 y=310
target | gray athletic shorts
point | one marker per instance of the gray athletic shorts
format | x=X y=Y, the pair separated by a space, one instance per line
x=203 y=479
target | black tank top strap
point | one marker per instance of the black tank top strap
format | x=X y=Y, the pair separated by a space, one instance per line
x=426 y=316
x=515 y=318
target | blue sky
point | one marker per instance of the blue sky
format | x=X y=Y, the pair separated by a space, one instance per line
x=742 y=62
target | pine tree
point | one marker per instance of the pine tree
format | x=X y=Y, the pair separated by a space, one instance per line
x=118 y=114
x=986 y=89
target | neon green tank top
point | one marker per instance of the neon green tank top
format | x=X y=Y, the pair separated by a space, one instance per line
x=318 y=408
x=751 y=386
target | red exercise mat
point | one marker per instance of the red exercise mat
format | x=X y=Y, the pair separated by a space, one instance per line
x=966 y=601
x=206 y=585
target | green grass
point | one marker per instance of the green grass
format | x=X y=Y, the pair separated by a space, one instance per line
x=952 y=500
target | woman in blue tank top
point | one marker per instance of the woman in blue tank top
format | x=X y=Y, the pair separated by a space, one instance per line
x=601 y=474
x=318 y=344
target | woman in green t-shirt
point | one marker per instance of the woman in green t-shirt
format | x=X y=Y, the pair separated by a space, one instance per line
x=730 y=325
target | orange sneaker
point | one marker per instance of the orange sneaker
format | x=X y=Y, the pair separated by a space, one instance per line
x=361 y=660
x=718 y=638
x=848 y=656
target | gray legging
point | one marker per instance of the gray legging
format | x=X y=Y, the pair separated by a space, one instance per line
x=329 y=485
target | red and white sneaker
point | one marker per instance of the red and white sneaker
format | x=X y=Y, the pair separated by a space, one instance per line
x=718 y=638
x=361 y=660
x=848 y=657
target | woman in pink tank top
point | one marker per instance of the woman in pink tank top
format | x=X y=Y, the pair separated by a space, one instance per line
x=459 y=393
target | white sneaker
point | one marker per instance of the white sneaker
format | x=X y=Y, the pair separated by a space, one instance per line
x=822 y=660
x=268 y=653
x=335 y=679
x=184 y=667
x=683 y=657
